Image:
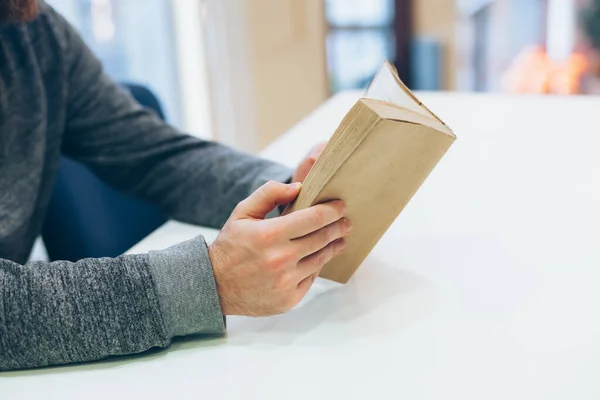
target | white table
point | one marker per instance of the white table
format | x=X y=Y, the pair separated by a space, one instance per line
x=487 y=286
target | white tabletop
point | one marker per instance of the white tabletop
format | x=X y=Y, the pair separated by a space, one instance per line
x=486 y=287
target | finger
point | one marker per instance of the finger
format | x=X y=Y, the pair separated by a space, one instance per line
x=314 y=263
x=303 y=222
x=308 y=162
x=303 y=169
x=265 y=199
x=317 y=150
x=315 y=241
x=307 y=282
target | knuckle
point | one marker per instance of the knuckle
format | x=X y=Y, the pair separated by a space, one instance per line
x=287 y=256
x=330 y=253
x=270 y=185
x=273 y=261
x=321 y=259
x=268 y=235
x=280 y=259
x=317 y=217
x=340 y=227
x=323 y=236
x=340 y=209
x=337 y=230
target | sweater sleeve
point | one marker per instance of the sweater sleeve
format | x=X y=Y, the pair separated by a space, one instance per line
x=130 y=148
x=62 y=312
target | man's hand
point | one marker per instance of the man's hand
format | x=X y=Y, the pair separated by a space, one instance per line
x=306 y=164
x=265 y=267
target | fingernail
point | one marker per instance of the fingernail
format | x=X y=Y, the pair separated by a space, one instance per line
x=341 y=245
x=295 y=185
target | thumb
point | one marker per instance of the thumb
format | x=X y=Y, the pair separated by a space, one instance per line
x=265 y=199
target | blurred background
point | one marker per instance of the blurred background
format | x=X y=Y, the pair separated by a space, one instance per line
x=245 y=71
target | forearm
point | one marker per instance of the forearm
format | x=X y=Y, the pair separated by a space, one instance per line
x=206 y=193
x=131 y=149
x=190 y=180
x=59 y=313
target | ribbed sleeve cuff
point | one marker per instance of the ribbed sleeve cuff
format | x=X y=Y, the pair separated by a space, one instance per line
x=186 y=289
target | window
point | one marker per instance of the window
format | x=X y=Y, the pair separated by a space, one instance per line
x=358 y=27
x=134 y=39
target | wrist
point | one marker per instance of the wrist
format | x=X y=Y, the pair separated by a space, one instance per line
x=217 y=262
x=186 y=288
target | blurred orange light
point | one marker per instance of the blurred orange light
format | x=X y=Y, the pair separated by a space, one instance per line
x=533 y=71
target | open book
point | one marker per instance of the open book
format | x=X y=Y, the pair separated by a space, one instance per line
x=382 y=152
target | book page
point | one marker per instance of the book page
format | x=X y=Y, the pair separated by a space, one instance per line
x=387 y=86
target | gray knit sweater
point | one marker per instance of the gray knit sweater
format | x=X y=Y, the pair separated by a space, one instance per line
x=55 y=99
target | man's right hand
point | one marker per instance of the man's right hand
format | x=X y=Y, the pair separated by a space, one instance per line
x=265 y=267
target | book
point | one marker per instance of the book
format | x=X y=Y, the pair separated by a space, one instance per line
x=380 y=155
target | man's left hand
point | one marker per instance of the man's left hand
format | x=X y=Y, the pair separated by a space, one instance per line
x=307 y=163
